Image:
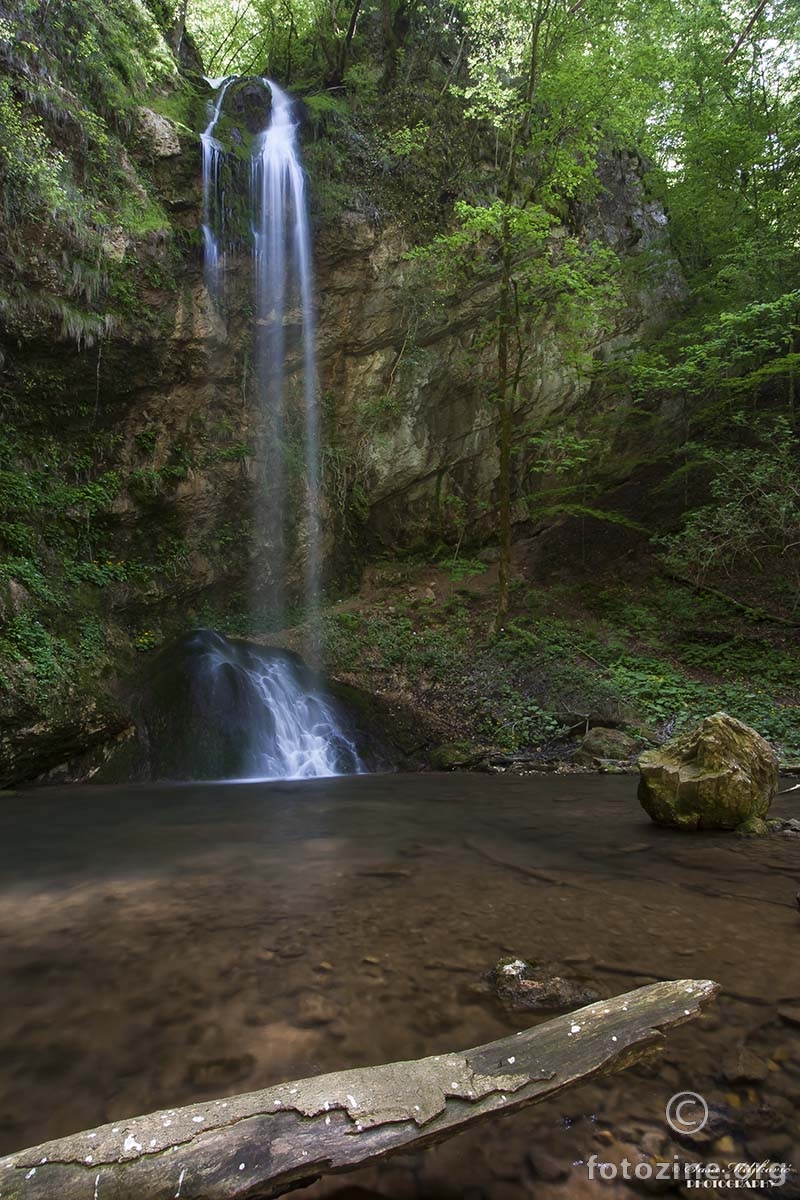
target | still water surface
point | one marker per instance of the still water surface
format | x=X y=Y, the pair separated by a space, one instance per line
x=164 y=944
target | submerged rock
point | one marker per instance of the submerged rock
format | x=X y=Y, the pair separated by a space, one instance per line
x=523 y=985
x=720 y=775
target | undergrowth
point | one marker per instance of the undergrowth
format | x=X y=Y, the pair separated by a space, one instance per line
x=628 y=659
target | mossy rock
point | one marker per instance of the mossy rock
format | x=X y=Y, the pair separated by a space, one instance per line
x=720 y=775
x=607 y=744
x=451 y=756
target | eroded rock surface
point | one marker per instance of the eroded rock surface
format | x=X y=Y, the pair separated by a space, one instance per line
x=720 y=775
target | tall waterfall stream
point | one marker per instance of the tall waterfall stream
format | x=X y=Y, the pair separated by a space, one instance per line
x=281 y=723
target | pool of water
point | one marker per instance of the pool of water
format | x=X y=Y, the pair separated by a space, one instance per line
x=164 y=944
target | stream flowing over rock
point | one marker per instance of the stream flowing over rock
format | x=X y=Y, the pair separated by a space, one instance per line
x=720 y=775
x=213 y=708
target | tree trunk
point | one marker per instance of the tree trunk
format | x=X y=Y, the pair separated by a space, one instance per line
x=179 y=26
x=262 y=1144
x=505 y=404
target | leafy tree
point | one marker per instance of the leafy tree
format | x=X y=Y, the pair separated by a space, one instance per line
x=534 y=83
x=752 y=522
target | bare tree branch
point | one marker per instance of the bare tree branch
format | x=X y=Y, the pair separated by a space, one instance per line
x=762 y=4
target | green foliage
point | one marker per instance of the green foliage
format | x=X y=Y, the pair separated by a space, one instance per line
x=515 y=721
x=405 y=142
x=72 y=79
x=459 y=569
x=46 y=662
x=389 y=642
x=753 y=519
x=261 y=37
x=325 y=104
x=516 y=690
x=145 y=640
x=35 y=169
x=732 y=355
x=664 y=695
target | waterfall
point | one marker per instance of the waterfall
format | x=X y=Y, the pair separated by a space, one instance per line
x=285 y=283
x=220 y=709
x=264 y=714
x=213 y=206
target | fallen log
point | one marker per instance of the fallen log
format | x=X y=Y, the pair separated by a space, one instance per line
x=264 y=1143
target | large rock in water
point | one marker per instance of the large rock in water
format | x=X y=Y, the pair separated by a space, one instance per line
x=720 y=775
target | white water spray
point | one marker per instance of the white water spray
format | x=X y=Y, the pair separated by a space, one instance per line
x=213 y=201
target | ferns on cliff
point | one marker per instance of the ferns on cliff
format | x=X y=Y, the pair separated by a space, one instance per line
x=73 y=72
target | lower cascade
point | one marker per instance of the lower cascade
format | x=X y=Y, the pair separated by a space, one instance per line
x=219 y=709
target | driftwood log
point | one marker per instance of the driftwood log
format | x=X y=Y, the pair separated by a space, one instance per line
x=264 y=1143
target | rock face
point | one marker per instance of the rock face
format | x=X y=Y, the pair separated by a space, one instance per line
x=721 y=775
x=159 y=135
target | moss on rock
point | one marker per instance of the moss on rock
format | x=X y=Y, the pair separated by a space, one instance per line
x=720 y=775
x=602 y=743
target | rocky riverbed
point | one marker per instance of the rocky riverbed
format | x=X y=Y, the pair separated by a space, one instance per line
x=168 y=944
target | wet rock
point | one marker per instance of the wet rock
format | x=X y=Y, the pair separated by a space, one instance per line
x=158 y=133
x=314 y=1009
x=743 y=1066
x=790 y=828
x=451 y=756
x=790 y=1014
x=523 y=986
x=219 y=1072
x=291 y=950
x=13 y=599
x=720 y=775
x=357 y=1193
x=654 y=1144
x=547 y=1166
x=619 y=1152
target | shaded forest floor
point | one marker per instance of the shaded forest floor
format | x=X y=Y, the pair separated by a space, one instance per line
x=647 y=655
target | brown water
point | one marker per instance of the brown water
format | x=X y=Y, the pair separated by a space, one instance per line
x=160 y=945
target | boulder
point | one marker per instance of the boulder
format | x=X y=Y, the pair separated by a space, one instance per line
x=451 y=756
x=720 y=775
x=609 y=744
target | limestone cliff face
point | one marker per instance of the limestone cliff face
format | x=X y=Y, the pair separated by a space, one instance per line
x=408 y=421
x=162 y=411
x=411 y=397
